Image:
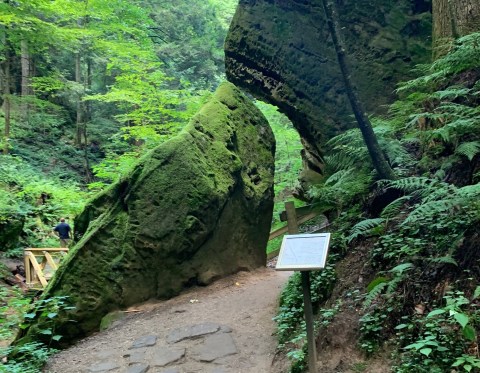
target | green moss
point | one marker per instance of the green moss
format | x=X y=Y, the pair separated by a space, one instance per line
x=195 y=208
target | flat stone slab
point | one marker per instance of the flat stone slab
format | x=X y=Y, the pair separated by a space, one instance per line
x=192 y=331
x=138 y=368
x=171 y=370
x=167 y=355
x=136 y=355
x=145 y=341
x=214 y=347
x=104 y=366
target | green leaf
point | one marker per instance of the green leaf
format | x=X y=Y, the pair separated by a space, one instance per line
x=426 y=351
x=476 y=294
x=435 y=313
x=46 y=331
x=461 y=318
x=458 y=362
x=29 y=315
x=57 y=337
x=467 y=367
x=402 y=267
x=469 y=333
x=51 y=315
x=401 y=326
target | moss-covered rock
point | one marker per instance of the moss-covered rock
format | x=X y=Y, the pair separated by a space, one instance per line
x=196 y=208
x=281 y=51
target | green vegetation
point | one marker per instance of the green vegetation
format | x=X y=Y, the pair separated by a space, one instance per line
x=18 y=312
x=88 y=89
x=421 y=240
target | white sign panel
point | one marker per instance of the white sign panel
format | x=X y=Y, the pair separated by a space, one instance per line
x=303 y=252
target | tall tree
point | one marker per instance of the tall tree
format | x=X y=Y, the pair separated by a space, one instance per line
x=5 y=75
x=22 y=29
x=452 y=19
x=378 y=158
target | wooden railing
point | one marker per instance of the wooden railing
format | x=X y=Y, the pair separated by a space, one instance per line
x=41 y=264
x=300 y=215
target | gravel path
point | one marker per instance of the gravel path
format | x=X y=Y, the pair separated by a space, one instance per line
x=226 y=327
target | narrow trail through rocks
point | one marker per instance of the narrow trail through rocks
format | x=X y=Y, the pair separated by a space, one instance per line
x=226 y=327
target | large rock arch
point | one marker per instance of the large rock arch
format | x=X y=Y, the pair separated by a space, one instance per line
x=281 y=52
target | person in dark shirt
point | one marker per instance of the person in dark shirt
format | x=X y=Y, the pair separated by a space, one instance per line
x=63 y=230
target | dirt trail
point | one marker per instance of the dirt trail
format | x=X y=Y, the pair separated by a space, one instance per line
x=243 y=304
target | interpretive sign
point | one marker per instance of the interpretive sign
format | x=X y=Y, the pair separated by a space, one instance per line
x=303 y=252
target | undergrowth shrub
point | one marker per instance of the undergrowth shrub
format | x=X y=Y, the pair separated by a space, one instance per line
x=291 y=328
x=18 y=311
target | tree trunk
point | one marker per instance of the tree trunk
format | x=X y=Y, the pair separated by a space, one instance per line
x=87 y=111
x=26 y=88
x=6 y=82
x=26 y=69
x=452 y=19
x=80 y=111
x=378 y=159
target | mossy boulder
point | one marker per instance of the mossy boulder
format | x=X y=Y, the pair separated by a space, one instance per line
x=198 y=207
x=281 y=51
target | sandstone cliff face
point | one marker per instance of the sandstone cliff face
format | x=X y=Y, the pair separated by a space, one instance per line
x=196 y=208
x=281 y=51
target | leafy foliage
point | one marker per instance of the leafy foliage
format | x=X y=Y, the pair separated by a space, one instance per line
x=423 y=298
x=363 y=227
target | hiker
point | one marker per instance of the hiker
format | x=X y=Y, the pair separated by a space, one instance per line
x=63 y=230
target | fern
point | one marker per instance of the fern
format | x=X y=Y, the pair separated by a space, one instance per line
x=362 y=228
x=373 y=294
x=432 y=208
x=415 y=185
x=339 y=161
x=401 y=268
x=340 y=177
x=443 y=260
x=393 y=209
x=392 y=285
x=469 y=191
x=451 y=93
x=464 y=56
x=468 y=149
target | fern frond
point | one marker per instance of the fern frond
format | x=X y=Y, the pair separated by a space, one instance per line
x=392 y=285
x=443 y=260
x=428 y=209
x=396 y=153
x=340 y=177
x=352 y=136
x=451 y=93
x=339 y=161
x=444 y=191
x=455 y=129
x=469 y=191
x=393 y=208
x=364 y=227
x=373 y=294
x=398 y=270
x=417 y=185
x=468 y=149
